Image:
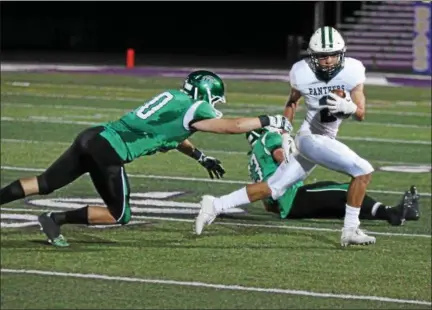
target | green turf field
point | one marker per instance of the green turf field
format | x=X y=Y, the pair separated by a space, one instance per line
x=247 y=260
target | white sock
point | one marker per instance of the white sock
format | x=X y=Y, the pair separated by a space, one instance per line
x=375 y=208
x=351 y=219
x=237 y=198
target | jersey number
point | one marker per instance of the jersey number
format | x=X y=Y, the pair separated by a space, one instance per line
x=326 y=116
x=255 y=167
x=154 y=105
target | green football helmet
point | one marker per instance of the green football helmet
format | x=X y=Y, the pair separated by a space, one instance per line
x=254 y=135
x=205 y=85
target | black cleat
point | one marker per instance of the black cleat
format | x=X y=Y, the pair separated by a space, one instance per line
x=397 y=215
x=52 y=230
x=413 y=212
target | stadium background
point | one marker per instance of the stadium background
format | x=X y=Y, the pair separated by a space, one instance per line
x=240 y=34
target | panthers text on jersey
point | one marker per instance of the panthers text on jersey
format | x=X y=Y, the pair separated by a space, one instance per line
x=315 y=91
x=262 y=165
x=158 y=125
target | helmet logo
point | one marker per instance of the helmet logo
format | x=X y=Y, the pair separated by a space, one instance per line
x=327 y=32
x=208 y=78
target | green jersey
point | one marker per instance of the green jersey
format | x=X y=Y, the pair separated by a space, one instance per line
x=158 y=125
x=261 y=166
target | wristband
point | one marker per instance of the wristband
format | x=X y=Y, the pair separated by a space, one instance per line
x=196 y=154
x=264 y=120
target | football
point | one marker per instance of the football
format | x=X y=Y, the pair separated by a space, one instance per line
x=342 y=94
x=339 y=92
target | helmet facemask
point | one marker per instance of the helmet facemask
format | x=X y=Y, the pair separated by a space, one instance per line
x=214 y=99
x=323 y=72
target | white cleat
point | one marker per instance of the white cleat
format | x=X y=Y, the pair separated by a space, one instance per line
x=206 y=215
x=355 y=236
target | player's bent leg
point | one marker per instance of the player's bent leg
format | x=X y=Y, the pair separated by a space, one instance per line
x=108 y=180
x=374 y=210
x=63 y=171
x=327 y=199
x=332 y=154
x=357 y=189
x=285 y=176
x=211 y=206
x=320 y=200
x=70 y=165
x=407 y=209
x=336 y=156
x=289 y=173
x=113 y=187
x=67 y=168
x=111 y=182
x=351 y=234
x=14 y=191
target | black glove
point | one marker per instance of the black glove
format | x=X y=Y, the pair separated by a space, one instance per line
x=213 y=166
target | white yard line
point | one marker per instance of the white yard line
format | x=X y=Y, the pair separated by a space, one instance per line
x=51 y=120
x=390 y=125
x=72 y=96
x=290 y=227
x=6 y=140
x=212 y=286
x=132 y=99
x=47 y=120
x=191 y=179
x=232 y=111
x=26 y=84
x=63 y=106
x=224 y=223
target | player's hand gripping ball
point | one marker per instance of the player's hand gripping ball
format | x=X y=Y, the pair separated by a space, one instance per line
x=341 y=93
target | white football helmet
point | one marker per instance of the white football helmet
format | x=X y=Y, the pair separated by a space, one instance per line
x=326 y=41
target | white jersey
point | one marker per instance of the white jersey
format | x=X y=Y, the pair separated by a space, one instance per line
x=315 y=92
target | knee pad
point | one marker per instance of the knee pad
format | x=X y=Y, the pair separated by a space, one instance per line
x=44 y=188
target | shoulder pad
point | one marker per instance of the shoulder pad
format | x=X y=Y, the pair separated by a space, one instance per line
x=354 y=72
x=301 y=74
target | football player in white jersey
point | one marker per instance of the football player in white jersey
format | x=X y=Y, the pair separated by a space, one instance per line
x=326 y=69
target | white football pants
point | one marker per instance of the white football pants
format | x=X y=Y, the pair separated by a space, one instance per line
x=316 y=150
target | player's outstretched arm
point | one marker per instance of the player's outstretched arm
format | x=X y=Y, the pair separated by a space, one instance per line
x=291 y=105
x=359 y=98
x=242 y=125
x=187 y=148
x=228 y=125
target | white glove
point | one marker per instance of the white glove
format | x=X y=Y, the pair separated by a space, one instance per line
x=337 y=104
x=280 y=122
x=288 y=146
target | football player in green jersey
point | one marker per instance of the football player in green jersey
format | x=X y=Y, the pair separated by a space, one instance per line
x=324 y=199
x=163 y=123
